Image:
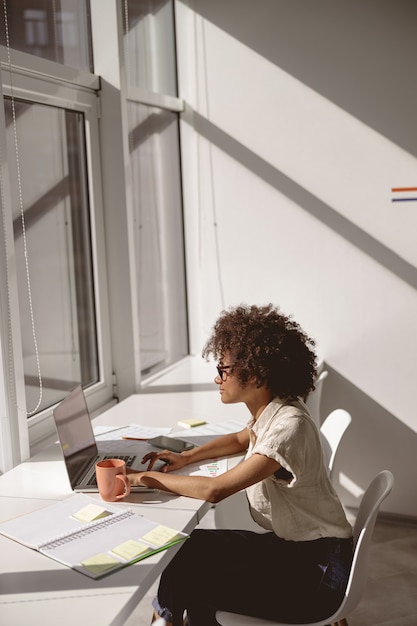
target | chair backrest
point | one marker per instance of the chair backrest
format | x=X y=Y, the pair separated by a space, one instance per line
x=331 y=432
x=371 y=502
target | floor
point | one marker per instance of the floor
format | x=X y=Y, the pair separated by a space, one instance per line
x=390 y=598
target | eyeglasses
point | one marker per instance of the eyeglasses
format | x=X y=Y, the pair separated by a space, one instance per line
x=222 y=371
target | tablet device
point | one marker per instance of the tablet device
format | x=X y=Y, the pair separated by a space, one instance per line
x=170 y=443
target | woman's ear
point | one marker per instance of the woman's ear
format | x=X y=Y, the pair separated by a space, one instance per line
x=254 y=381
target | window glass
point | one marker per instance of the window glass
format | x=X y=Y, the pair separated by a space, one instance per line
x=58 y=30
x=159 y=243
x=149 y=34
x=53 y=249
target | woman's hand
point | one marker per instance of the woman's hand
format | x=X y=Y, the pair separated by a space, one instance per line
x=134 y=477
x=172 y=460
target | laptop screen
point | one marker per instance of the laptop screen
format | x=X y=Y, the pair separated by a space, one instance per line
x=75 y=433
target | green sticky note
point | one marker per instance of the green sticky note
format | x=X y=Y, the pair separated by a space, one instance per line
x=131 y=549
x=100 y=563
x=160 y=536
x=90 y=513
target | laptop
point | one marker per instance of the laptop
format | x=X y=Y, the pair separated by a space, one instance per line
x=79 y=446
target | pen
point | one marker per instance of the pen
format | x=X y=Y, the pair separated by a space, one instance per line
x=136 y=438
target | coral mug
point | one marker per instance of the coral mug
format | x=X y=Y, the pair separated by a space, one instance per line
x=112 y=481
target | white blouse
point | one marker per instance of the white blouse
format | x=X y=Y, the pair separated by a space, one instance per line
x=302 y=507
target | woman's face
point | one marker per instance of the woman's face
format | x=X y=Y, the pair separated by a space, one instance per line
x=230 y=388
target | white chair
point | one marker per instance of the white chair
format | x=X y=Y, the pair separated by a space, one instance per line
x=331 y=432
x=233 y=512
x=375 y=494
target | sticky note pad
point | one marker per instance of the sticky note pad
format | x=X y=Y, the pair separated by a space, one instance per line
x=100 y=563
x=90 y=513
x=191 y=422
x=131 y=549
x=160 y=536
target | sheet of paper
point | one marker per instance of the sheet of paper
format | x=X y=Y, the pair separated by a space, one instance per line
x=213 y=468
x=105 y=433
x=124 y=446
x=202 y=434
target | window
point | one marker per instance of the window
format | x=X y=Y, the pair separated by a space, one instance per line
x=52 y=239
x=58 y=30
x=150 y=44
x=154 y=157
x=155 y=169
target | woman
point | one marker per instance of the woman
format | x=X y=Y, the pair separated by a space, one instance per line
x=297 y=570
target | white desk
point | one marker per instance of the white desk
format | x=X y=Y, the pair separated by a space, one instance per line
x=44 y=476
x=167 y=408
x=37 y=590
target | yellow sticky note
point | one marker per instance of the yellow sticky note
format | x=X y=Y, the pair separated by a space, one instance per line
x=191 y=422
x=130 y=549
x=90 y=513
x=160 y=535
x=100 y=563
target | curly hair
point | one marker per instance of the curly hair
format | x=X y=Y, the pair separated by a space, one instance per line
x=264 y=344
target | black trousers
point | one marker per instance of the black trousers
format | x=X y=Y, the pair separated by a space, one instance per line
x=254 y=574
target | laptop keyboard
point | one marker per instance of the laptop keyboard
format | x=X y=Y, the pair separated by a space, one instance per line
x=128 y=459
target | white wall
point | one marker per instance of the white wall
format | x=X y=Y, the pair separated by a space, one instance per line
x=300 y=119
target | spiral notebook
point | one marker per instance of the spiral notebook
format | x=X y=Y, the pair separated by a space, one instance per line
x=92 y=537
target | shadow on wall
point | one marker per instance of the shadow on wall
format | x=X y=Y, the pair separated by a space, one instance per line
x=375 y=440
x=312 y=41
x=301 y=196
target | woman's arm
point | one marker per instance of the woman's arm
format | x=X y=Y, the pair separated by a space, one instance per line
x=252 y=470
